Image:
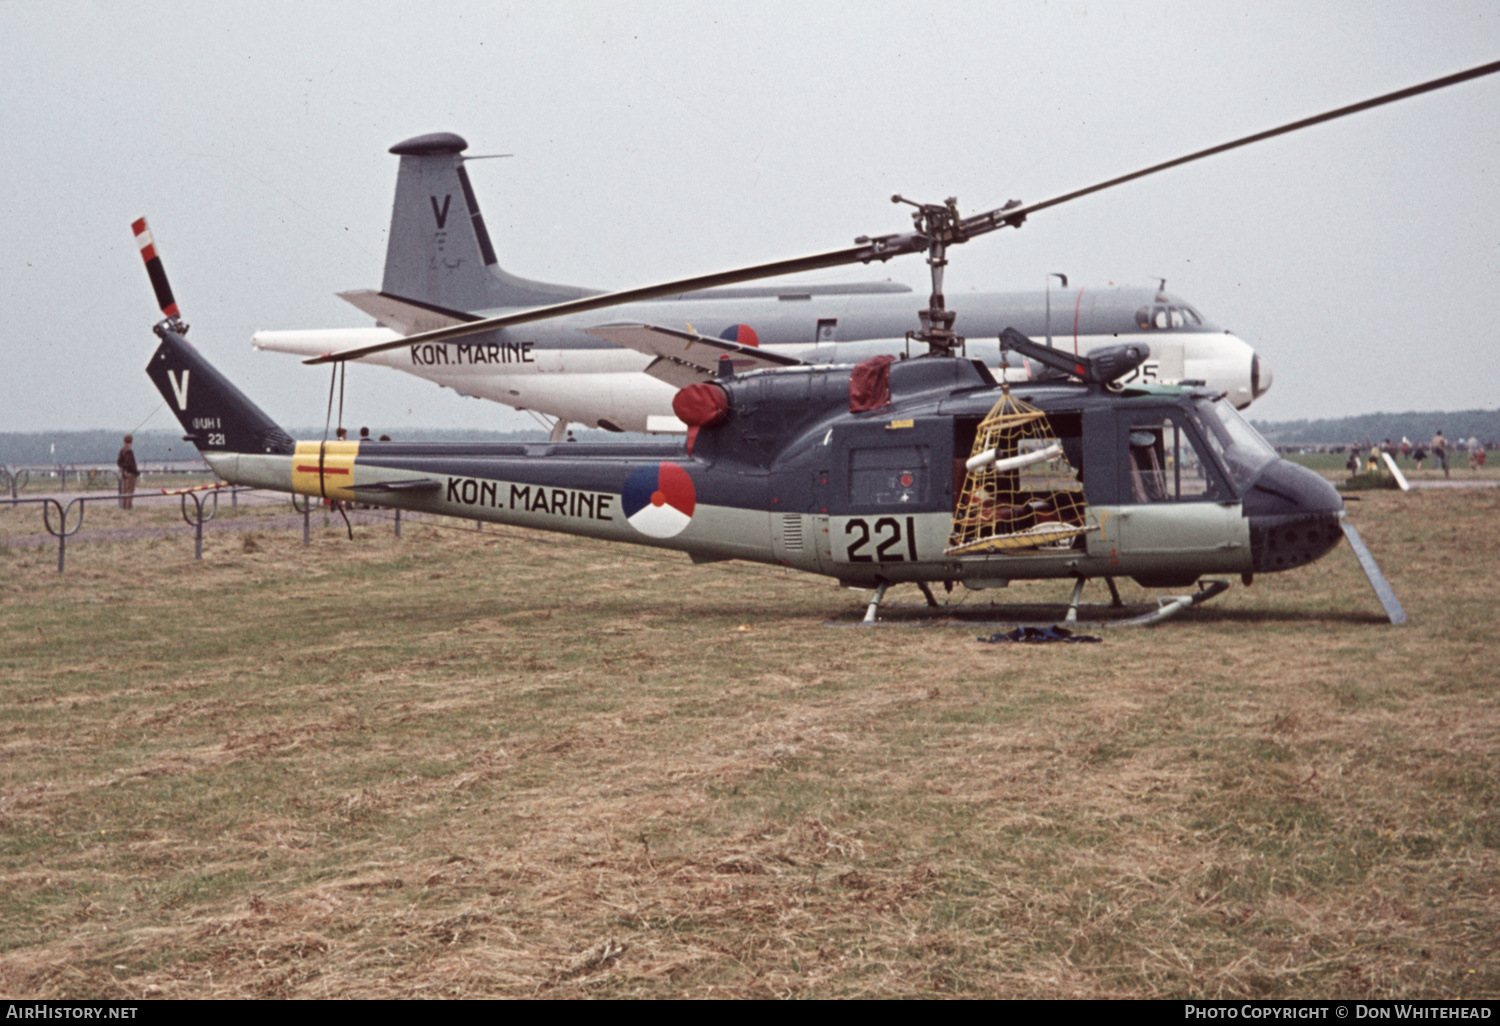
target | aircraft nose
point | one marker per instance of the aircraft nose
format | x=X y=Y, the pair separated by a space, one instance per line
x=1294 y=517
x=1260 y=376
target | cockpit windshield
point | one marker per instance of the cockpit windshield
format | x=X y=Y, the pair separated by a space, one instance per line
x=1162 y=317
x=1239 y=446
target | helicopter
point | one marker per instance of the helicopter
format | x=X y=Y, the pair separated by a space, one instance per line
x=916 y=470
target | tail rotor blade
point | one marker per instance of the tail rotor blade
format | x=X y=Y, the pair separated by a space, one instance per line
x=154 y=269
x=1377 y=579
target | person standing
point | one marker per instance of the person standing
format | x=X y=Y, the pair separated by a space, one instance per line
x=1440 y=451
x=129 y=472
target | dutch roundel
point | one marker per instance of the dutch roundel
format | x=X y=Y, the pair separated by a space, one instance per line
x=741 y=333
x=659 y=499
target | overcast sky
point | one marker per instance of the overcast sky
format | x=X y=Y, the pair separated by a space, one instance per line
x=658 y=140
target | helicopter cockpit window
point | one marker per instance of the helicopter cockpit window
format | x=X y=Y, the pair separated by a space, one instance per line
x=1241 y=449
x=1162 y=317
x=1165 y=464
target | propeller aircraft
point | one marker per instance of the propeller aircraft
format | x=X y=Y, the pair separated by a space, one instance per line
x=441 y=270
x=922 y=470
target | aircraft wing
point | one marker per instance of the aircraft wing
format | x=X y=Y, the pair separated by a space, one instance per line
x=685 y=358
x=407 y=316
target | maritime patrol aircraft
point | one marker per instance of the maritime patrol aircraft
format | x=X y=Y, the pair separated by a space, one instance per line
x=541 y=347
x=442 y=270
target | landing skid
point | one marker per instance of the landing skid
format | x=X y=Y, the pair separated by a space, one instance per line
x=1165 y=608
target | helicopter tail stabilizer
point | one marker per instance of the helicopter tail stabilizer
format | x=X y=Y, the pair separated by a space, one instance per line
x=216 y=416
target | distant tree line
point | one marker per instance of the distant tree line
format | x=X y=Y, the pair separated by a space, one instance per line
x=61 y=448
x=1376 y=427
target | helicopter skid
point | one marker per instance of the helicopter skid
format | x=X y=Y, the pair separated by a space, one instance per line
x=1167 y=606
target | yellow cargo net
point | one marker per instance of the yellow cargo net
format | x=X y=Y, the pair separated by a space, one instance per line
x=1019 y=492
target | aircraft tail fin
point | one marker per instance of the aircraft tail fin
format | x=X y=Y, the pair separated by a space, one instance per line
x=439 y=253
x=216 y=416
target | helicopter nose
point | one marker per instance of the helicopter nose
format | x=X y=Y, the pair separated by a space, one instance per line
x=1294 y=517
x=1260 y=376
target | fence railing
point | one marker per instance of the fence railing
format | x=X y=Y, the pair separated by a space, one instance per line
x=198 y=506
x=14 y=479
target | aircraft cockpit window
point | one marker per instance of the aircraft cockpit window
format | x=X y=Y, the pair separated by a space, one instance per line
x=1165 y=464
x=1166 y=318
x=1241 y=448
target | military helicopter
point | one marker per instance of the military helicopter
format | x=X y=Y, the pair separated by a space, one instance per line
x=920 y=470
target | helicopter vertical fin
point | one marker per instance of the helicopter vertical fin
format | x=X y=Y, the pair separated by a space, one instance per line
x=216 y=415
x=439 y=252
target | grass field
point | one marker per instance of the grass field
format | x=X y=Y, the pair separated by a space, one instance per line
x=470 y=763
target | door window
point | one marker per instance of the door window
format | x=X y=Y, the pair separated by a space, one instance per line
x=1166 y=463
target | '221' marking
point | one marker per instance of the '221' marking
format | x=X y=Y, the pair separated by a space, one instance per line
x=888 y=535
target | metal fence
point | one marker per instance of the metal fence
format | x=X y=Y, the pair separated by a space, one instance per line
x=198 y=506
x=85 y=476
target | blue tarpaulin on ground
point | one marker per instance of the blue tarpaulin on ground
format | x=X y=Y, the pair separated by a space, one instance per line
x=1038 y=636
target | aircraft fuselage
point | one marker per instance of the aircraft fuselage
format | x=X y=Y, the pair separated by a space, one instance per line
x=557 y=368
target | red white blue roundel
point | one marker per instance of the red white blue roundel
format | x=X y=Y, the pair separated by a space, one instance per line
x=741 y=333
x=659 y=500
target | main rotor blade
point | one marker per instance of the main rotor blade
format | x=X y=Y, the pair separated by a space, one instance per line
x=883 y=248
x=880 y=249
x=980 y=224
x=1383 y=592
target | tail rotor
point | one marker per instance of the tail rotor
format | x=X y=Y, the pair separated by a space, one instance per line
x=158 y=276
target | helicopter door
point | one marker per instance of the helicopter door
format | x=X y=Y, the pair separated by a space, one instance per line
x=1174 y=502
x=889 y=493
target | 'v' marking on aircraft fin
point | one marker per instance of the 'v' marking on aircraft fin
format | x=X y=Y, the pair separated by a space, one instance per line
x=179 y=388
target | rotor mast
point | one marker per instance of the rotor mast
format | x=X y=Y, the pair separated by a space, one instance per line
x=941 y=226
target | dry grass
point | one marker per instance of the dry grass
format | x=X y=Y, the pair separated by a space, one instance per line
x=506 y=763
